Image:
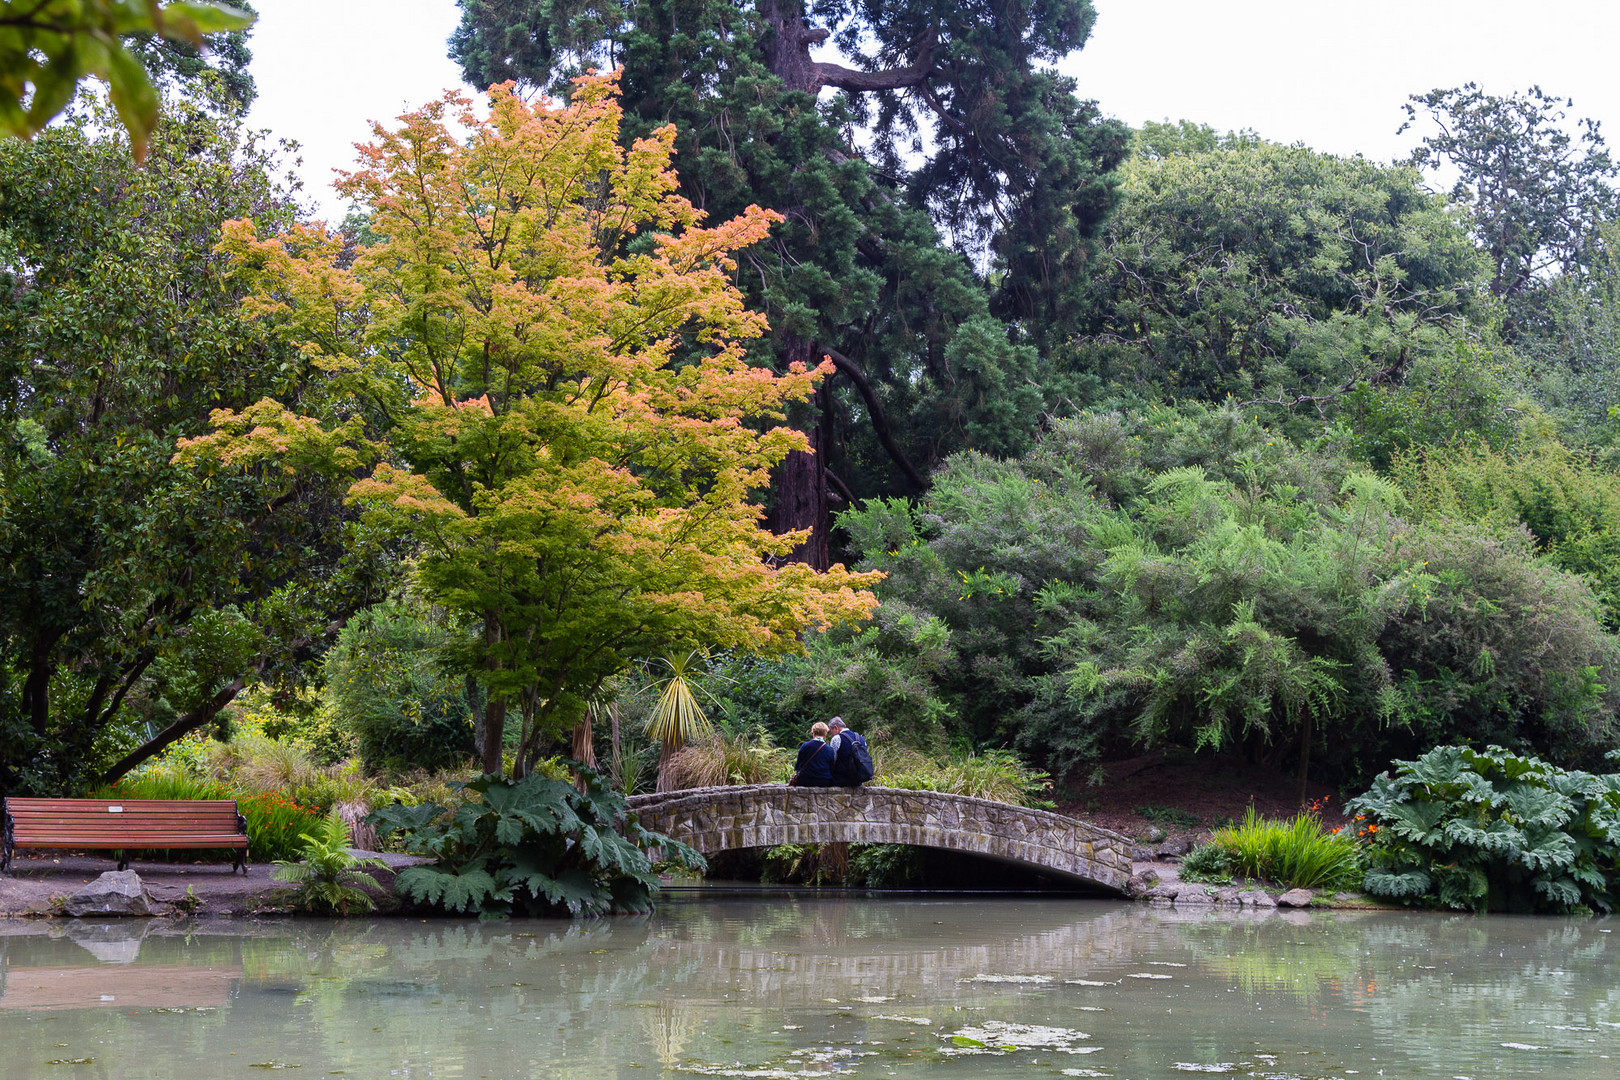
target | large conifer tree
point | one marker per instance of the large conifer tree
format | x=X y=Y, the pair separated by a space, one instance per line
x=939 y=198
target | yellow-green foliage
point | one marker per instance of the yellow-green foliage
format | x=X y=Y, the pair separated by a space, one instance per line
x=1568 y=501
x=994 y=774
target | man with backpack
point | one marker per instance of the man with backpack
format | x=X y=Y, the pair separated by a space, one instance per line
x=852 y=761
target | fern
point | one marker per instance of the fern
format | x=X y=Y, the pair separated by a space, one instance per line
x=328 y=876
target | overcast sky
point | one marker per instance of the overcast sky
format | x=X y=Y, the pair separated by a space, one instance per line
x=1329 y=73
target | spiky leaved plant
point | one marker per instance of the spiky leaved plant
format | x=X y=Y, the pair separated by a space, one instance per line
x=328 y=878
x=676 y=718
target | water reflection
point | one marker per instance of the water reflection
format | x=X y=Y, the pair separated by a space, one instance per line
x=792 y=988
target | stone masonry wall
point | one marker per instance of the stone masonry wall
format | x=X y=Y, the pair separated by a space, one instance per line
x=764 y=815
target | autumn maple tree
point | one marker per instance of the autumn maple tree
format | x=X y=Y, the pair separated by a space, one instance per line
x=536 y=371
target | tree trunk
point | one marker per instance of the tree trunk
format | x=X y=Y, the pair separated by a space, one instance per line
x=494 y=734
x=666 y=750
x=583 y=747
x=494 y=708
x=475 y=705
x=788 y=48
x=801 y=490
x=36 y=693
x=584 y=742
x=1304 y=758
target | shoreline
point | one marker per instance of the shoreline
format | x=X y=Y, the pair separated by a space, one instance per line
x=35 y=886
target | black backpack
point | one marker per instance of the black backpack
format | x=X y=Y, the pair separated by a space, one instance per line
x=854 y=765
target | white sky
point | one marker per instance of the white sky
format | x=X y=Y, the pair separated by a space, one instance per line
x=1330 y=73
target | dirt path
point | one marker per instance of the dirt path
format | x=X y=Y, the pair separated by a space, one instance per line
x=1188 y=797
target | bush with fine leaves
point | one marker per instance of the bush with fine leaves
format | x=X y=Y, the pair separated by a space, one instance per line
x=1492 y=830
x=536 y=846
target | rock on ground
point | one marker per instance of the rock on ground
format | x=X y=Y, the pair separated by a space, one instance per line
x=1296 y=898
x=117 y=892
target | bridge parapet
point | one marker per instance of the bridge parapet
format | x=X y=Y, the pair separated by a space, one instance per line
x=765 y=815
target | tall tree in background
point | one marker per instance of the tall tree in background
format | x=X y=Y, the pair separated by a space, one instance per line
x=223 y=55
x=1537 y=193
x=938 y=200
x=1275 y=275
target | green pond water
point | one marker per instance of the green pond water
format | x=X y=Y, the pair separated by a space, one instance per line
x=904 y=987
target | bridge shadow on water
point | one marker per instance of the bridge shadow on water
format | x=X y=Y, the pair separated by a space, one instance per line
x=895 y=869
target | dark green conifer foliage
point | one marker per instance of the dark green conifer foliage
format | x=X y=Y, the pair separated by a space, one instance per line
x=940 y=196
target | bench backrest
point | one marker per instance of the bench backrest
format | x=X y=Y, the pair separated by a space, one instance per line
x=128 y=819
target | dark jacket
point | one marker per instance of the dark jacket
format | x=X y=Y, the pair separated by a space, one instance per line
x=844 y=757
x=815 y=763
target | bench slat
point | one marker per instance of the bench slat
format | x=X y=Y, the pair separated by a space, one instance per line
x=123 y=824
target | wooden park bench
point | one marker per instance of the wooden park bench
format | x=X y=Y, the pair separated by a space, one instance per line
x=123 y=825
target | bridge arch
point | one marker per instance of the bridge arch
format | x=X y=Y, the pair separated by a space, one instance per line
x=720 y=819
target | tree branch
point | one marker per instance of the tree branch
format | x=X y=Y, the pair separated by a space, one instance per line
x=836 y=481
x=880 y=420
x=182 y=727
x=860 y=82
x=205 y=713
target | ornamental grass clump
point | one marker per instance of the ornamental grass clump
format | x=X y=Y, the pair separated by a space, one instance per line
x=720 y=759
x=999 y=775
x=1298 y=853
x=1491 y=830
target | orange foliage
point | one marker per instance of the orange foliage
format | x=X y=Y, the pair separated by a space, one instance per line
x=574 y=433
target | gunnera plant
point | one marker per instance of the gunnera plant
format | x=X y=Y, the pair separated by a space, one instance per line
x=535 y=846
x=1491 y=830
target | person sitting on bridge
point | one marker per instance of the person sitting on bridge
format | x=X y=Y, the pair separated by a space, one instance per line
x=852 y=762
x=815 y=764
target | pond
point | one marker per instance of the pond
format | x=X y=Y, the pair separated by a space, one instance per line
x=920 y=987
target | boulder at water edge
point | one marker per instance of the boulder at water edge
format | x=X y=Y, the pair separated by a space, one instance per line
x=117 y=892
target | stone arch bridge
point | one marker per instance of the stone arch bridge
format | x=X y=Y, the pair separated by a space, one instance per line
x=720 y=819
